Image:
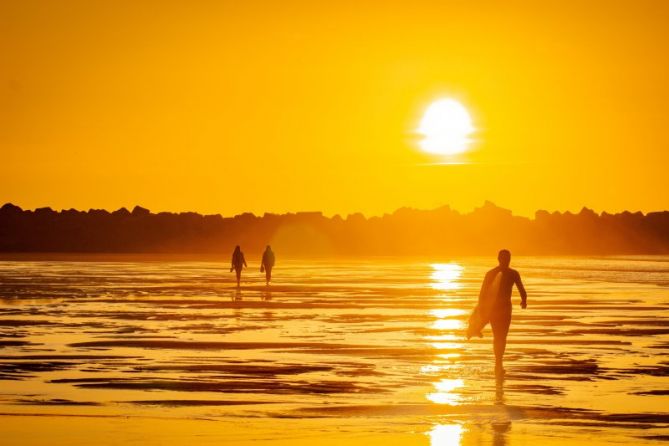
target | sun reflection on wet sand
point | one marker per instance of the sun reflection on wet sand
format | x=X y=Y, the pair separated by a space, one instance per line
x=445 y=394
x=447 y=345
x=447 y=324
x=445 y=435
x=445 y=276
x=446 y=312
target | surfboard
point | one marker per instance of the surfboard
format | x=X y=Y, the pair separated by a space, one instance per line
x=481 y=314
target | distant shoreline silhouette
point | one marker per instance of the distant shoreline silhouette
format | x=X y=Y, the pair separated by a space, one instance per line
x=441 y=231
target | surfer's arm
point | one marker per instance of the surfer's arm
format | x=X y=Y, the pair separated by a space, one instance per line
x=521 y=289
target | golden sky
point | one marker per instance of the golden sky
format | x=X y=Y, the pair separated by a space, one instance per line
x=232 y=106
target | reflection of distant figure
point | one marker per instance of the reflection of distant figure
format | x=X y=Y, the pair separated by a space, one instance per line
x=494 y=306
x=267 y=263
x=266 y=295
x=238 y=263
x=237 y=295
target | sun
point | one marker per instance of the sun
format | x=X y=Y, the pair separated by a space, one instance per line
x=445 y=128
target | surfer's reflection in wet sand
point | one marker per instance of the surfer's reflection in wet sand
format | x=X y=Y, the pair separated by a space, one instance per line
x=499 y=431
x=499 y=391
x=501 y=425
x=494 y=306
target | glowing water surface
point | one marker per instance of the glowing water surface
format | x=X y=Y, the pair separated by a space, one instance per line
x=362 y=351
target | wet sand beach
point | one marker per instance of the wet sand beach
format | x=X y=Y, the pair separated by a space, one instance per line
x=138 y=351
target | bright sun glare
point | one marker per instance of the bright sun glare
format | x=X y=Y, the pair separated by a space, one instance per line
x=445 y=128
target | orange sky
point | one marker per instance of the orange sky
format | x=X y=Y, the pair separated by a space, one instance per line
x=224 y=107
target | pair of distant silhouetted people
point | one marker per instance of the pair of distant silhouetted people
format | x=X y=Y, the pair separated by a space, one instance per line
x=239 y=263
x=494 y=306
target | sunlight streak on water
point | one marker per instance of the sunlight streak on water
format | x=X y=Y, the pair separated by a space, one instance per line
x=446 y=278
x=445 y=392
x=446 y=337
x=450 y=356
x=445 y=435
x=446 y=312
x=435 y=368
x=447 y=345
x=447 y=324
x=446 y=275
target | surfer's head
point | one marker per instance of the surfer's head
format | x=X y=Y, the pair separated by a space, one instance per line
x=504 y=257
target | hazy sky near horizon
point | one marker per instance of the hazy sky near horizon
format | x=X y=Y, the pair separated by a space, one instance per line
x=232 y=106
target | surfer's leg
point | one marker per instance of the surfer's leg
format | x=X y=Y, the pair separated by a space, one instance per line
x=500 y=322
x=238 y=271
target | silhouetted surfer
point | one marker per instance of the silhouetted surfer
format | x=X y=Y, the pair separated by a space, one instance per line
x=238 y=263
x=267 y=263
x=494 y=306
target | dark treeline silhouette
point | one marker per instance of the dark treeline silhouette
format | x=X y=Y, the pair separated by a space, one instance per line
x=404 y=232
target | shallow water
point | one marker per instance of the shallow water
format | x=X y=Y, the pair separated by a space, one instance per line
x=167 y=352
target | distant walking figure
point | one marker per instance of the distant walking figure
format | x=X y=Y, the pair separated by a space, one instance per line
x=267 y=263
x=494 y=306
x=238 y=263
